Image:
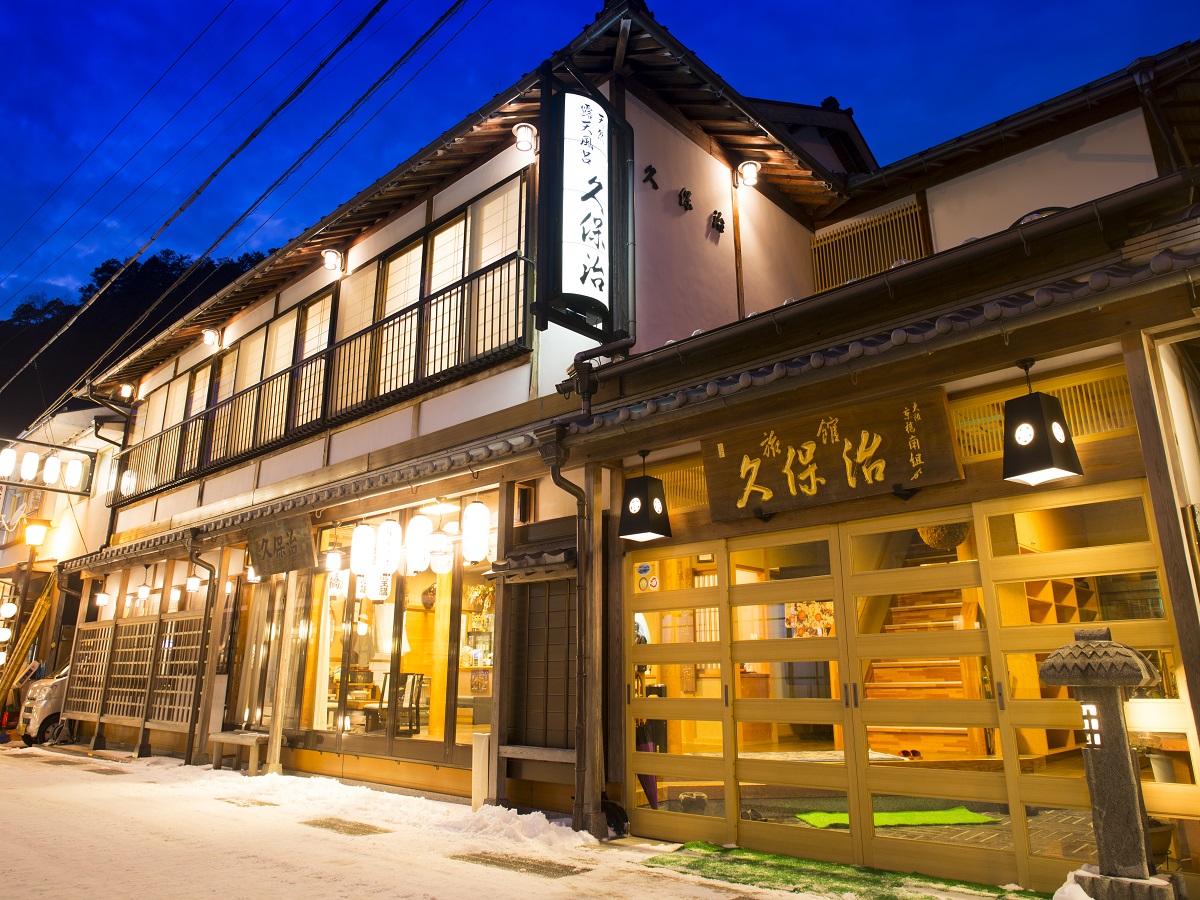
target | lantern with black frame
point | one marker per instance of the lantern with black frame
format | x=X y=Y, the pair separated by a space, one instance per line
x=644 y=515
x=1038 y=447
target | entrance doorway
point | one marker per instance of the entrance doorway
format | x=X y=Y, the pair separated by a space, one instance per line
x=867 y=692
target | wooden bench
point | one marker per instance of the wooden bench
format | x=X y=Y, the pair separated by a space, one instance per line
x=239 y=740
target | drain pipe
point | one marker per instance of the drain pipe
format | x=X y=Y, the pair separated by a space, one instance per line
x=193 y=546
x=586 y=814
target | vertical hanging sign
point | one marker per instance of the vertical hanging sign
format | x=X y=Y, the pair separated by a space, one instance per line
x=585 y=274
x=575 y=287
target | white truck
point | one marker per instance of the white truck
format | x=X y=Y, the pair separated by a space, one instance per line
x=43 y=705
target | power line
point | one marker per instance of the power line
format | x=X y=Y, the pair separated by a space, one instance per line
x=136 y=153
x=291 y=98
x=120 y=122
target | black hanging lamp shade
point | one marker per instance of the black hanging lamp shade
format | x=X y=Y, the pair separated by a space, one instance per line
x=1037 y=444
x=644 y=509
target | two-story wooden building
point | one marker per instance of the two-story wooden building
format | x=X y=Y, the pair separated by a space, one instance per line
x=835 y=652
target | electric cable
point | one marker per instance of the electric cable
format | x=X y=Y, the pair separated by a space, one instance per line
x=449 y=13
x=291 y=98
x=120 y=122
x=134 y=156
x=107 y=217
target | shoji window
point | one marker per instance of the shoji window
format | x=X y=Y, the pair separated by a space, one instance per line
x=356 y=302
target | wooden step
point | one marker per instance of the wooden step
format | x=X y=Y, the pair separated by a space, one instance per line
x=941 y=625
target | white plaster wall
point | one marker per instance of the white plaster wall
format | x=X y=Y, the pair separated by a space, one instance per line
x=157 y=378
x=1183 y=417
x=498 y=392
x=176 y=502
x=1096 y=161
x=686 y=279
x=135 y=516
x=393 y=428
x=245 y=323
x=776 y=253
x=230 y=484
x=299 y=460
x=556 y=349
x=490 y=173
x=553 y=502
x=387 y=236
x=306 y=287
x=193 y=356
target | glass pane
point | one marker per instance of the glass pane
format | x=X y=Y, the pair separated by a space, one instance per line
x=446 y=255
x=495 y=224
x=326 y=644
x=956 y=609
x=676 y=793
x=784 y=804
x=804 y=560
x=356 y=301
x=403 y=287
x=929 y=747
x=1175 y=843
x=908 y=547
x=281 y=344
x=768 y=621
x=1102 y=598
x=1026 y=684
x=948 y=678
x=477 y=628
x=678 y=681
x=424 y=655
x=682 y=737
x=787 y=680
x=1064 y=833
x=793 y=741
x=678 y=573
x=677 y=626
x=314 y=335
x=943 y=821
x=1051 y=751
x=1069 y=527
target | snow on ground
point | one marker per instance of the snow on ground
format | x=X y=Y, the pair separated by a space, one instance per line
x=81 y=825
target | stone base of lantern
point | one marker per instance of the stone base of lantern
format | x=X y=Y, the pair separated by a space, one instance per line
x=1164 y=886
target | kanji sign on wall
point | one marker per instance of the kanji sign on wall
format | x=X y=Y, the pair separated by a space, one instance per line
x=282 y=546
x=841 y=454
x=585 y=188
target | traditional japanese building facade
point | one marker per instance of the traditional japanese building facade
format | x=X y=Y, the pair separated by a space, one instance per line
x=835 y=654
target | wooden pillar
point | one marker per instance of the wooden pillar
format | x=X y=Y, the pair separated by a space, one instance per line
x=1145 y=387
x=592 y=620
x=614 y=647
x=282 y=672
x=212 y=658
x=501 y=667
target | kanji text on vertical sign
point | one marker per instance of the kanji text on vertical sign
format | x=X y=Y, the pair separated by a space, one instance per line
x=586 y=272
x=282 y=546
x=837 y=455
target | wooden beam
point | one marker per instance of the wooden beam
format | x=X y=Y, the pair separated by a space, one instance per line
x=622 y=45
x=1146 y=388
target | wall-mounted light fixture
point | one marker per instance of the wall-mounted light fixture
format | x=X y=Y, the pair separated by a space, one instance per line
x=526 y=136
x=35 y=531
x=212 y=337
x=143 y=591
x=748 y=172
x=1037 y=445
x=333 y=259
x=126 y=391
x=101 y=599
x=192 y=584
x=644 y=515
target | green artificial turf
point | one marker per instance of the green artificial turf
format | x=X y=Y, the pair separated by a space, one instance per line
x=834 y=880
x=959 y=815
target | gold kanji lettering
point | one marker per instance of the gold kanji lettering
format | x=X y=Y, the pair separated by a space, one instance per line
x=750 y=467
x=872 y=470
x=807 y=479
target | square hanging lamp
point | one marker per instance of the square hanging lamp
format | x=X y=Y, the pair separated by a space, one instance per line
x=644 y=515
x=1038 y=447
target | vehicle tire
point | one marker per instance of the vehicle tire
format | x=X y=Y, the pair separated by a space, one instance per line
x=44 y=729
x=27 y=739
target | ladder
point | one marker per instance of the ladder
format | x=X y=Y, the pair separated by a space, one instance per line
x=13 y=665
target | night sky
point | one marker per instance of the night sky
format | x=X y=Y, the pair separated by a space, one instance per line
x=916 y=74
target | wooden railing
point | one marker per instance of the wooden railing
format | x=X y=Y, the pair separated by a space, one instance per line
x=463 y=328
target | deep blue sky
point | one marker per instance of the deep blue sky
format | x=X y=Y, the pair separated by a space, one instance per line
x=916 y=74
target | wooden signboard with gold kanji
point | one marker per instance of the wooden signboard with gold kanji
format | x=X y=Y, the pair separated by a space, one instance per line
x=855 y=451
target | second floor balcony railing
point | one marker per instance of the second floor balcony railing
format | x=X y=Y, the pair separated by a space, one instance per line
x=464 y=328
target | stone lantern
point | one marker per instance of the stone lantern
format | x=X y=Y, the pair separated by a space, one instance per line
x=1099 y=669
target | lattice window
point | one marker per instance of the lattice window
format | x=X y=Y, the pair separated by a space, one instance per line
x=683 y=483
x=87 y=672
x=129 y=672
x=178 y=662
x=1097 y=404
x=868 y=246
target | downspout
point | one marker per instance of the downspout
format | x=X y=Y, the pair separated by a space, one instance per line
x=193 y=545
x=586 y=811
x=126 y=414
x=1144 y=79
